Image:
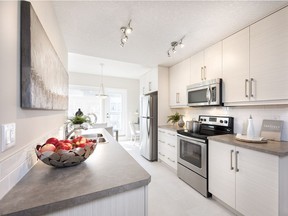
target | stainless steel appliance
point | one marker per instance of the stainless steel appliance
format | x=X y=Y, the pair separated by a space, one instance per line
x=207 y=93
x=149 y=126
x=192 y=153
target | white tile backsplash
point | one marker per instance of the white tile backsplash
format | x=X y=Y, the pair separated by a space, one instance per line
x=15 y=167
x=241 y=115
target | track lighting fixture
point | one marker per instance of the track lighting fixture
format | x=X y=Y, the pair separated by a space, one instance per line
x=174 y=45
x=125 y=30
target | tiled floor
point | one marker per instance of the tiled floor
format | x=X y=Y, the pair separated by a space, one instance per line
x=170 y=196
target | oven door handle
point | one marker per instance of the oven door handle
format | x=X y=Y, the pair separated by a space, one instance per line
x=189 y=139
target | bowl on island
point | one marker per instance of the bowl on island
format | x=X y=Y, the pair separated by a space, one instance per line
x=65 y=153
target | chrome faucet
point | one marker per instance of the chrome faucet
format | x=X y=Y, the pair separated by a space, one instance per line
x=68 y=133
x=94 y=115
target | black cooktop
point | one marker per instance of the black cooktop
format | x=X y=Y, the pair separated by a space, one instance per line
x=211 y=126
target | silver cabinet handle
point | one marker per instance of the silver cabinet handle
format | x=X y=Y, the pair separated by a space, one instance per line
x=171 y=145
x=161 y=154
x=177 y=97
x=143 y=90
x=149 y=86
x=201 y=73
x=171 y=160
x=231 y=158
x=252 y=81
x=204 y=72
x=171 y=134
x=236 y=161
x=161 y=141
x=246 y=82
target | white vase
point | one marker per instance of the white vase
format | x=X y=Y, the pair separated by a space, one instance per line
x=77 y=128
x=181 y=122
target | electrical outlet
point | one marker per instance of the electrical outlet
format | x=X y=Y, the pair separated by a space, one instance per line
x=8 y=135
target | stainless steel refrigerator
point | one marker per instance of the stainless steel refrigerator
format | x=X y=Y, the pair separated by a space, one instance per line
x=149 y=126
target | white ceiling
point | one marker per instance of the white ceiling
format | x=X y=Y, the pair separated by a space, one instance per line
x=91 y=30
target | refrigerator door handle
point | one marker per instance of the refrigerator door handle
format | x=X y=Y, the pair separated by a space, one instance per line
x=148 y=126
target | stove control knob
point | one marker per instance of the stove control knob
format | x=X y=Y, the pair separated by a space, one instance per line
x=221 y=121
x=225 y=121
x=201 y=119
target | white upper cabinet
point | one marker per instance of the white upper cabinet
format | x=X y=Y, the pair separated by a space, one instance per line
x=207 y=64
x=236 y=67
x=179 y=76
x=197 y=63
x=149 y=82
x=269 y=57
x=213 y=62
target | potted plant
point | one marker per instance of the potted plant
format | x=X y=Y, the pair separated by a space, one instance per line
x=79 y=119
x=176 y=118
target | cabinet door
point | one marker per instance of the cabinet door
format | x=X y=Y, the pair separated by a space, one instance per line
x=236 y=67
x=171 y=142
x=161 y=144
x=197 y=71
x=257 y=183
x=143 y=87
x=179 y=76
x=221 y=176
x=213 y=62
x=269 y=57
x=152 y=80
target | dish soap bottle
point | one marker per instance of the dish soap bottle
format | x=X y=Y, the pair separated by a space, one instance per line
x=250 y=128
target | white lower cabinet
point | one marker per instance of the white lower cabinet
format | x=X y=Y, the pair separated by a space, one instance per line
x=251 y=182
x=167 y=147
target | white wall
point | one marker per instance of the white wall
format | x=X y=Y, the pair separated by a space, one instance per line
x=241 y=114
x=32 y=126
x=132 y=86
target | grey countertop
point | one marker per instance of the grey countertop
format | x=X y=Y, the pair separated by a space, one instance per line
x=171 y=127
x=272 y=147
x=108 y=171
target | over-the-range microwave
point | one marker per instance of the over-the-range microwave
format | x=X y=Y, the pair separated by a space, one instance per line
x=206 y=93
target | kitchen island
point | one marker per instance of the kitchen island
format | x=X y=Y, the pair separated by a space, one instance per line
x=110 y=182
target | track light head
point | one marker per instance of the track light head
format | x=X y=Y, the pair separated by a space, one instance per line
x=125 y=30
x=175 y=44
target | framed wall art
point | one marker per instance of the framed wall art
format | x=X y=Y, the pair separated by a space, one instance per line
x=44 y=80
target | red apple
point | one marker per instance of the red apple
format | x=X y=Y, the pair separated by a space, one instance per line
x=82 y=145
x=67 y=141
x=47 y=147
x=83 y=140
x=52 y=140
x=64 y=146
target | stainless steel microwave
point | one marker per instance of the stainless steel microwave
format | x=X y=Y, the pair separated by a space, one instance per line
x=207 y=93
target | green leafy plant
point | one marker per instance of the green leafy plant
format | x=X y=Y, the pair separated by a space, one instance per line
x=174 y=118
x=80 y=119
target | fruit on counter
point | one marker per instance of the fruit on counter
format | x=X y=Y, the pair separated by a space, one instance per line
x=47 y=147
x=64 y=145
x=79 y=140
x=52 y=140
x=53 y=144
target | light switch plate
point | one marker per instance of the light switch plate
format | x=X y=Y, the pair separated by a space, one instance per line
x=8 y=136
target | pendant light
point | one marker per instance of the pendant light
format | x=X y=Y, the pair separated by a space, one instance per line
x=101 y=87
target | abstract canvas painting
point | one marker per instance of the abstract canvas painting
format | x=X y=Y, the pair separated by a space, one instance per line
x=44 y=80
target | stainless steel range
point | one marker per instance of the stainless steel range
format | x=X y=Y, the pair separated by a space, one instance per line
x=192 y=153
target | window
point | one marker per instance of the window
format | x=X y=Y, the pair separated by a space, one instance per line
x=112 y=110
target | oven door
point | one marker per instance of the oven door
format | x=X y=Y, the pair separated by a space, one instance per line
x=192 y=153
